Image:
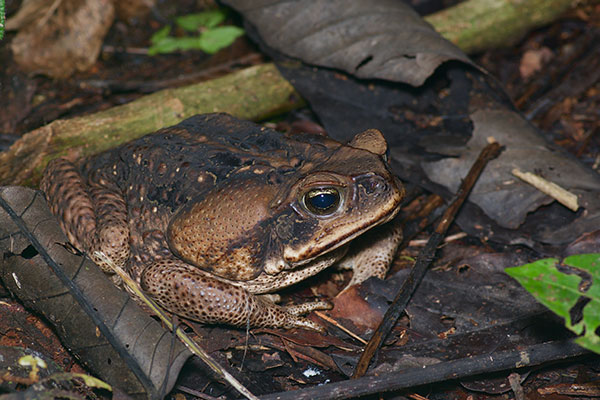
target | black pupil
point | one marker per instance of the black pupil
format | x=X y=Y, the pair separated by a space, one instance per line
x=323 y=201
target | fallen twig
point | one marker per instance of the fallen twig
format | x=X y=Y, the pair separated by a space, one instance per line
x=563 y=196
x=474 y=365
x=397 y=307
x=340 y=327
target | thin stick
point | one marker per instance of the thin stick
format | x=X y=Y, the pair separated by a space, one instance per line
x=519 y=357
x=396 y=309
x=562 y=195
x=340 y=327
x=193 y=346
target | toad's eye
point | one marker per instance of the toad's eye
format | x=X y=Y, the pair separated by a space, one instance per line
x=322 y=201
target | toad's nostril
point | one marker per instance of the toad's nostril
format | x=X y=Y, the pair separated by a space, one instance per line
x=373 y=184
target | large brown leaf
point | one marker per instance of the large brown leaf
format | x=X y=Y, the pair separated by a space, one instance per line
x=382 y=39
x=504 y=197
x=100 y=324
x=57 y=38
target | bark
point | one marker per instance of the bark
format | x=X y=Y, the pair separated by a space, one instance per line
x=254 y=93
x=477 y=25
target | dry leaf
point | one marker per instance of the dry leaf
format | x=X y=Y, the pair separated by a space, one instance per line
x=533 y=61
x=60 y=37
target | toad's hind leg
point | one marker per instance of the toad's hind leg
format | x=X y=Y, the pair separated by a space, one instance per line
x=192 y=293
x=93 y=217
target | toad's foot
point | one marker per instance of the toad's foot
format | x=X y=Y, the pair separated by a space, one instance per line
x=187 y=291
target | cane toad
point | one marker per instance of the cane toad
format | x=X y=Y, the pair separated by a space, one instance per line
x=210 y=213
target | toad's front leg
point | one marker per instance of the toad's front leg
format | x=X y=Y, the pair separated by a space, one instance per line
x=192 y=293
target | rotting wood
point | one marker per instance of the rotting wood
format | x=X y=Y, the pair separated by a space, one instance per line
x=477 y=25
x=253 y=93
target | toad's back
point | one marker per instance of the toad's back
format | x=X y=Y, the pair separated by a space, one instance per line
x=168 y=168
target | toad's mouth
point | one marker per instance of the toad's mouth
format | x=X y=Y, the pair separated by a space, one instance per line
x=308 y=253
x=266 y=283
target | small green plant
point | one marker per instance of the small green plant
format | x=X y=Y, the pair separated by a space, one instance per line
x=207 y=36
x=2 y=18
x=560 y=292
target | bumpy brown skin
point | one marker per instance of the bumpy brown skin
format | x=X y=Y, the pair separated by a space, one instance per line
x=212 y=211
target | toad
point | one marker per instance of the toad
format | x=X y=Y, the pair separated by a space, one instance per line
x=210 y=214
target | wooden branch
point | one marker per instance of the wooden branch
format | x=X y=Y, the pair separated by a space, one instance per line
x=520 y=357
x=477 y=25
x=254 y=93
x=417 y=273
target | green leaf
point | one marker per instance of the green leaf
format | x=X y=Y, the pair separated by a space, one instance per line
x=164 y=45
x=2 y=19
x=213 y=39
x=560 y=292
x=171 y=44
x=206 y=19
x=160 y=35
x=218 y=38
